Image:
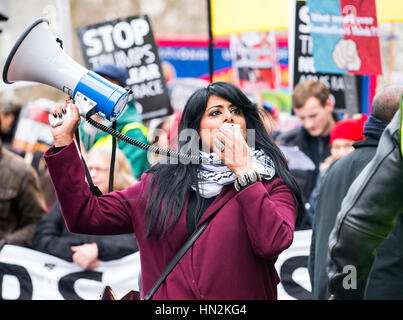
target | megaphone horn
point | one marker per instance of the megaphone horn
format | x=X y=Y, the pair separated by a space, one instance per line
x=37 y=57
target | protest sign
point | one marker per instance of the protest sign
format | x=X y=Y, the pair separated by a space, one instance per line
x=185 y=63
x=345 y=36
x=282 y=61
x=188 y=57
x=344 y=89
x=292 y=267
x=254 y=60
x=27 y=274
x=129 y=43
x=33 y=132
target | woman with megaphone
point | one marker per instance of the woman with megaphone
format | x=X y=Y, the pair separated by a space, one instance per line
x=236 y=208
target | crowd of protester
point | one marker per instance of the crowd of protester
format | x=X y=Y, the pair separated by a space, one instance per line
x=339 y=145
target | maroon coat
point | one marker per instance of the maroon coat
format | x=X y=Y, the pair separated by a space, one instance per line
x=234 y=257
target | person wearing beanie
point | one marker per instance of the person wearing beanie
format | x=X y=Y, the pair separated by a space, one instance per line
x=343 y=135
x=129 y=124
x=113 y=73
x=334 y=186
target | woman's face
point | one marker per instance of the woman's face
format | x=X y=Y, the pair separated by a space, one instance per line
x=217 y=112
x=99 y=172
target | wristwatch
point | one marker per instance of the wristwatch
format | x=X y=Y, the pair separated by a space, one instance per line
x=246 y=179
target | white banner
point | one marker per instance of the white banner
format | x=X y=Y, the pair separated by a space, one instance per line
x=28 y=274
x=292 y=267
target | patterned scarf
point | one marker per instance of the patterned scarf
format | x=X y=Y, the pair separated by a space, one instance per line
x=213 y=174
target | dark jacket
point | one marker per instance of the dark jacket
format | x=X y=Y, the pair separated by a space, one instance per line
x=22 y=204
x=52 y=237
x=316 y=148
x=334 y=185
x=369 y=212
x=234 y=257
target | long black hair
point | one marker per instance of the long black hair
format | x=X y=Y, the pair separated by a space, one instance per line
x=170 y=183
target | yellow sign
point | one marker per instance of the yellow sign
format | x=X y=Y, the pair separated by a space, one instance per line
x=389 y=10
x=238 y=16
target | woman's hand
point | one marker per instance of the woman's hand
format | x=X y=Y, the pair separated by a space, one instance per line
x=236 y=154
x=63 y=133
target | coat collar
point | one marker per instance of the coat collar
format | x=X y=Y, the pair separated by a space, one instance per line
x=369 y=141
x=227 y=193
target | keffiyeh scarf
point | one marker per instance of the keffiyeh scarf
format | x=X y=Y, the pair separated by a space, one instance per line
x=214 y=175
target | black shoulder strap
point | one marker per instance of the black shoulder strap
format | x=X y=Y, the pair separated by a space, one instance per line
x=189 y=242
x=94 y=189
x=113 y=156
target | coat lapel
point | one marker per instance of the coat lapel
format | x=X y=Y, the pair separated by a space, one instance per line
x=226 y=194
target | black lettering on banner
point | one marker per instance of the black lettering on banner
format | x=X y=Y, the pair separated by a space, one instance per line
x=66 y=283
x=23 y=277
x=290 y=286
x=130 y=44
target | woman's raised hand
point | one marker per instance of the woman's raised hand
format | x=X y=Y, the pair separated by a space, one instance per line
x=63 y=132
x=234 y=152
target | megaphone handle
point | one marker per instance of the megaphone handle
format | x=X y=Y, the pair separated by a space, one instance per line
x=55 y=121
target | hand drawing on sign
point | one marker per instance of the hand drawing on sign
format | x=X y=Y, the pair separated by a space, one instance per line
x=345 y=55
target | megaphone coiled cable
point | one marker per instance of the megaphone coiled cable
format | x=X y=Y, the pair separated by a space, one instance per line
x=142 y=145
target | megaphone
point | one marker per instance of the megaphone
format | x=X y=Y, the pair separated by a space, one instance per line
x=37 y=57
